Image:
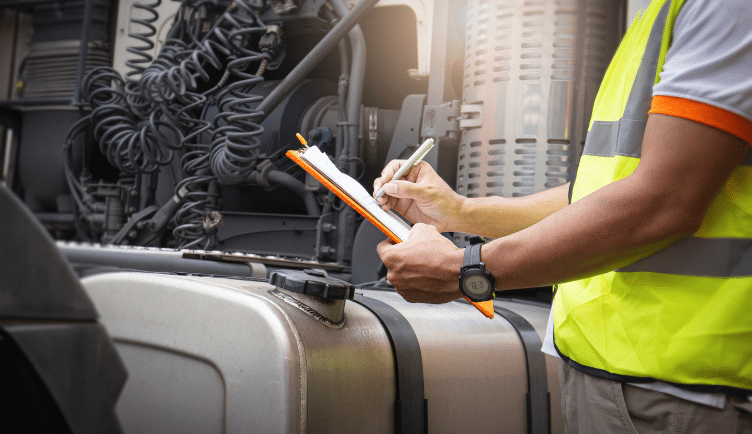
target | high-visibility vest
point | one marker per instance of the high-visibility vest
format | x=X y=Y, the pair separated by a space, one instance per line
x=684 y=314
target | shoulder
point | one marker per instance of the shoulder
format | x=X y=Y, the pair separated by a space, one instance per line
x=710 y=57
x=729 y=14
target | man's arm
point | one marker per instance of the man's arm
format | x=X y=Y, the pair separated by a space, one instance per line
x=496 y=216
x=683 y=165
x=423 y=197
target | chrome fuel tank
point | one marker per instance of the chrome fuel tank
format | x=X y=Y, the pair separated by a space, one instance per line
x=208 y=354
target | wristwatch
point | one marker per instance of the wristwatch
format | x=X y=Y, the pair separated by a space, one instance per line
x=476 y=283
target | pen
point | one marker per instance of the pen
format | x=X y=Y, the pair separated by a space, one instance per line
x=412 y=161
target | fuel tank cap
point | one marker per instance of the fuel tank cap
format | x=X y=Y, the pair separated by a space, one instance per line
x=312 y=282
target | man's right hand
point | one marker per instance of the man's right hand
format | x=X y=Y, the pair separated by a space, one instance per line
x=421 y=195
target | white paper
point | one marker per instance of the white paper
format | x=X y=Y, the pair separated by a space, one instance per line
x=321 y=161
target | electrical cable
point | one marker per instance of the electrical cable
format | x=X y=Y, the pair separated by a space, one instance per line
x=233 y=152
x=140 y=121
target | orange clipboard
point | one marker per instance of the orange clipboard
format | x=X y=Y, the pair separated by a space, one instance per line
x=295 y=156
x=485 y=307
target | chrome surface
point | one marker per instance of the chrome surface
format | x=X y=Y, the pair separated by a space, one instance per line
x=474 y=367
x=202 y=357
x=535 y=68
x=330 y=313
x=207 y=354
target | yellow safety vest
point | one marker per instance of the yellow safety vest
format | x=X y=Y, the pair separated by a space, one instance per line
x=684 y=314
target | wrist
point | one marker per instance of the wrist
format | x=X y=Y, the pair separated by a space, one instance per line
x=461 y=215
x=457 y=214
x=454 y=266
x=475 y=281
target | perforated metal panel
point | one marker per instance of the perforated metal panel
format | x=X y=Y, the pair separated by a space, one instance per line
x=49 y=70
x=532 y=71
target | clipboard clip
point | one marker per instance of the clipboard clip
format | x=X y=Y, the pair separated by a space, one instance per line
x=302 y=140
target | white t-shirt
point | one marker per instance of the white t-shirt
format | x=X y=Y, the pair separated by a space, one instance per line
x=709 y=61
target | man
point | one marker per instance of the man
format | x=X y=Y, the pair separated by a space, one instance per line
x=653 y=324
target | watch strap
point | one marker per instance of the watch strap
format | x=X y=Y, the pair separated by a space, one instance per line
x=472 y=255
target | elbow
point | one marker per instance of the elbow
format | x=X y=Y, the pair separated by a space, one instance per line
x=660 y=217
x=678 y=222
x=686 y=224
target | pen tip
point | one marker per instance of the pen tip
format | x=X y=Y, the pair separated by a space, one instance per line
x=302 y=140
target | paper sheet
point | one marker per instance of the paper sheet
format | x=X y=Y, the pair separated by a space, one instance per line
x=356 y=191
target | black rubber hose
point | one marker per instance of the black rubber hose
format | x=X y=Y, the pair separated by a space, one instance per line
x=147 y=260
x=355 y=91
x=83 y=51
x=297 y=187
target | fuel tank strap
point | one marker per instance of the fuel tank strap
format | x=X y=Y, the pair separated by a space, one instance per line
x=410 y=407
x=538 y=402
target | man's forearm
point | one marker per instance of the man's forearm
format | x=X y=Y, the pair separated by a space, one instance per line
x=496 y=217
x=601 y=232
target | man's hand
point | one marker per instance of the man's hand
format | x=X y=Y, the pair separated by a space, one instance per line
x=421 y=196
x=425 y=268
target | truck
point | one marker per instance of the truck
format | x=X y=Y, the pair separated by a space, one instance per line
x=167 y=268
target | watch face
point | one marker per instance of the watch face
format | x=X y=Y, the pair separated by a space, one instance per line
x=477 y=285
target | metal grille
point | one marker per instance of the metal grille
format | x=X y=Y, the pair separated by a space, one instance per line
x=534 y=66
x=49 y=70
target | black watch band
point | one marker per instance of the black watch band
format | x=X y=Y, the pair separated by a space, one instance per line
x=472 y=255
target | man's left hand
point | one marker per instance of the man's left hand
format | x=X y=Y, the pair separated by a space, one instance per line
x=425 y=268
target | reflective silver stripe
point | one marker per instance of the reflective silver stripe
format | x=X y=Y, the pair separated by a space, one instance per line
x=641 y=94
x=608 y=139
x=624 y=137
x=707 y=257
x=602 y=138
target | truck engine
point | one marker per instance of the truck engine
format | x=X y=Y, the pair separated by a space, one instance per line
x=145 y=141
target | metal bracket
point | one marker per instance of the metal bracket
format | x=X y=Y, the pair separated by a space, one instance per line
x=326 y=237
x=442 y=121
x=472 y=116
x=261 y=175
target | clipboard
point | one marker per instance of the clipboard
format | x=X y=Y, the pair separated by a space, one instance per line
x=391 y=228
x=385 y=224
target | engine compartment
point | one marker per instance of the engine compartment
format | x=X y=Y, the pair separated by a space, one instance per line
x=165 y=125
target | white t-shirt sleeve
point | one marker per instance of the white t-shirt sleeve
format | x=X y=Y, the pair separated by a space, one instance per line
x=710 y=58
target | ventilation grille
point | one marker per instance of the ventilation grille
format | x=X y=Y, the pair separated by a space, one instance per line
x=535 y=67
x=49 y=70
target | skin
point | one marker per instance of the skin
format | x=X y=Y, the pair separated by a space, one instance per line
x=540 y=239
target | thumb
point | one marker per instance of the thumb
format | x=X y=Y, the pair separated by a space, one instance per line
x=419 y=228
x=404 y=189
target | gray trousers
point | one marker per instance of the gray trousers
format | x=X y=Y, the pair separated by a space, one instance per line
x=593 y=405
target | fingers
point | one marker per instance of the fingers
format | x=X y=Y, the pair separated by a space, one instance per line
x=416 y=267
x=387 y=174
x=383 y=247
x=407 y=187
